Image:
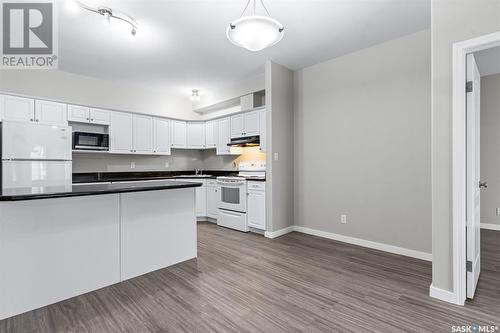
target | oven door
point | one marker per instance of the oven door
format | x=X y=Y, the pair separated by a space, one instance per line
x=233 y=195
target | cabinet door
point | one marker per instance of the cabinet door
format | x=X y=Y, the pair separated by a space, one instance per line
x=79 y=114
x=252 y=123
x=212 y=199
x=257 y=209
x=99 y=116
x=263 y=133
x=17 y=108
x=211 y=134
x=237 y=126
x=51 y=113
x=143 y=134
x=121 y=132
x=201 y=201
x=223 y=136
x=196 y=135
x=179 y=135
x=161 y=136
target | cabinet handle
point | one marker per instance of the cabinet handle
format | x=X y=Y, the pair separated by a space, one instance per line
x=88 y=119
x=32 y=119
x=37 y=120
x=92 y=119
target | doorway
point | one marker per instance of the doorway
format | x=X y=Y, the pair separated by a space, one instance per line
x=472 y=59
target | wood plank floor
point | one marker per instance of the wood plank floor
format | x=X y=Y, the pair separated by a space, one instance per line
x=296 y=283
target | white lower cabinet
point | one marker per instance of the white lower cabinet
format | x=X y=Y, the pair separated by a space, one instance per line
x=256 y=205
x=212 y=199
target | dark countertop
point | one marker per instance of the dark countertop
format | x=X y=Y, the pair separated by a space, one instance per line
x=96 y=177
x=33 y=193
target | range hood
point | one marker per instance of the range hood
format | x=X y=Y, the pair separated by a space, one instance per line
x=249 y=141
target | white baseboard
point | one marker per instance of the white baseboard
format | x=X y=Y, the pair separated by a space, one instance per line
x=443 y=295
x=277 y=233
x=489 y=226
x=365 y=243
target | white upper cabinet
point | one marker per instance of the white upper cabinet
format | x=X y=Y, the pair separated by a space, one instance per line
x=196 y=135
x=83 y=114
x=179 y=135
x=99 y=116
x=245 y=124
x=143 y=134
x=121 y=132
x=237 y=126
x=78 y=113
x=223 y=136
x=161 y=136
x=211 y=134
x=252 y=123
x=51 y=113
x=263 y=133
x=17 y=108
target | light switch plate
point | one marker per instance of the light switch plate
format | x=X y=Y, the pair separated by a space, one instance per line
x=343 y=219
x=166 y=164
x=276 y=156
x=498 y=211
x=132 y=165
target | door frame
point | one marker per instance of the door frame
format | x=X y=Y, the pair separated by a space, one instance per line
x=459 y=157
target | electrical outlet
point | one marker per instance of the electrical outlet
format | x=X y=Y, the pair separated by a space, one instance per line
x=166 y=165
x=498 y=211
x=132 y=165
x=343 y=219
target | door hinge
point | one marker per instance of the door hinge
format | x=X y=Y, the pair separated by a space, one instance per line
x=469 y=86
x=469 y=266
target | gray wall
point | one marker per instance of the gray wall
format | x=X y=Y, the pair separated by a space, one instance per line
x=490 y=148
x=452 y=21
x=362 y=144
x=279 y=123
x=78 y=89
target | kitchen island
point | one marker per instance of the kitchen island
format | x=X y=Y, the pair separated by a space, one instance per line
x=60 y=242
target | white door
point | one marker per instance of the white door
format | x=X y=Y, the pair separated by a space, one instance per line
x=237 y=126
x=212 y=199
x=211 y=134
x=17 y=108
x=143 y=134
x=223 y=136
x=257 y=209
x=473 y=177
x=51 y=113
x=99 y=116
x=121 y=132
x=179 y=136
x=252 y=123
x=196 y=135
x=79 y=114
x=30 y=141
x=161 y=136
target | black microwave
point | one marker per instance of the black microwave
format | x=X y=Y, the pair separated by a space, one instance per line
x=90 y=141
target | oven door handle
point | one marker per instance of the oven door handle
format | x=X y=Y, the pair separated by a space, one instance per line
x=231 y=184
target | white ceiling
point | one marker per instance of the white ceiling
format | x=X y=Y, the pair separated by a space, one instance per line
x=181 y=44
x=488 y=61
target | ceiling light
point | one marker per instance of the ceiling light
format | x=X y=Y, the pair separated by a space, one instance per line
x=107 y=13
x=195 y=97
x=255 y=32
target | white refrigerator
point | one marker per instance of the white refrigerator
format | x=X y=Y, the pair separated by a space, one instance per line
x=35 y=155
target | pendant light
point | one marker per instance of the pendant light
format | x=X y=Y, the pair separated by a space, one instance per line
x=255 y=32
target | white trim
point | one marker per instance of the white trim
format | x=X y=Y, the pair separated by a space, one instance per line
x=365 y=243
x=278 y=233
x=443 y=295
x=490 y=226
x=460 y=51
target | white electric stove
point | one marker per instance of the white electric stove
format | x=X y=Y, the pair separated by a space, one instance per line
x=233 y=195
